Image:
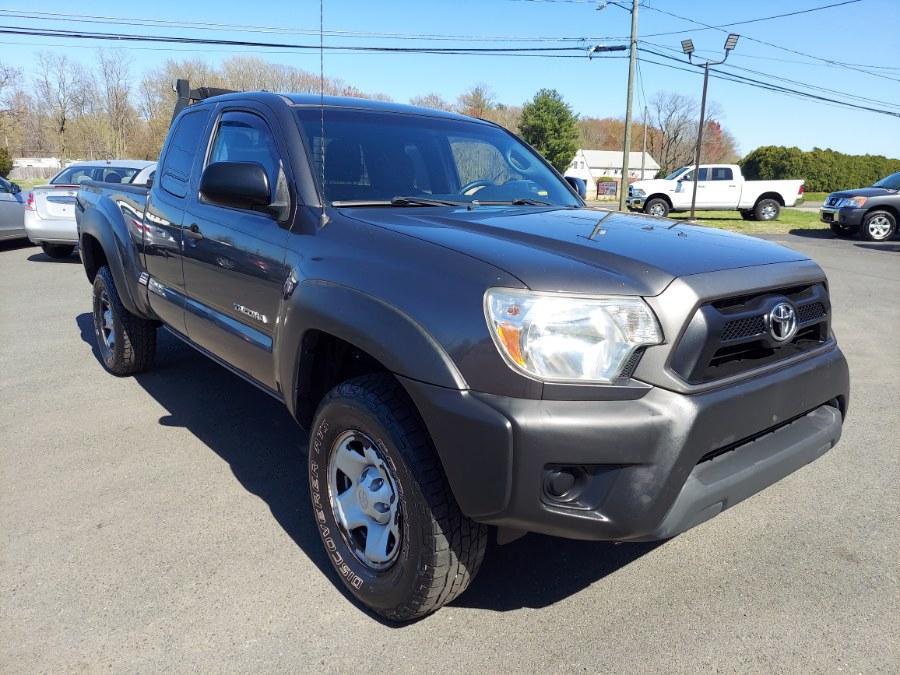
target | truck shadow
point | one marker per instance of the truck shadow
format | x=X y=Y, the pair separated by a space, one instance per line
x=266 y=452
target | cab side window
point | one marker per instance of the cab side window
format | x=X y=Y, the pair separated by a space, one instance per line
x=245 y=137
x=181 y=150
x=722 y=173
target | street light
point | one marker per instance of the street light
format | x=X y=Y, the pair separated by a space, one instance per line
x=687 y=46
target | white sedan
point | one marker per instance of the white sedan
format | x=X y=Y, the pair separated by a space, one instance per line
x=50 y=209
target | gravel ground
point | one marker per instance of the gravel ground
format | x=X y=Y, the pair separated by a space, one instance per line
x=161 y=523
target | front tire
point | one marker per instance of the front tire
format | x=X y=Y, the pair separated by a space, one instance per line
x=57 y=251
x=767 y=209
x=657 y=207
x=879 y=226
x=374 y=472
x=127 y=343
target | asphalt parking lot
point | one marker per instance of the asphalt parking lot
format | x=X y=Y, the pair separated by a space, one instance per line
x=162 y=523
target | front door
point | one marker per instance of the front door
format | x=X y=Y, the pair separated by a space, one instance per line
x=162 y=240
x=12 y=212
x=234 y=258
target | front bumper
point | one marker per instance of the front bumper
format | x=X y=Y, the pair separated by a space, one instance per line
x=50 y=230
x=651 y=467
x=635 y=203
x=847 y=216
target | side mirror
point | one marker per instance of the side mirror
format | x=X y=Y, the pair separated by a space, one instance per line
x=150 y=180
x=242 y=185
x=578 y=185
x=15 y=188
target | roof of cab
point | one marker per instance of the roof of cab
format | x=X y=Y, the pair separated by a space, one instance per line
x=349 y=102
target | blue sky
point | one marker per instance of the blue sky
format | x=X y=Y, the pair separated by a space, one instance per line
x=864 y=33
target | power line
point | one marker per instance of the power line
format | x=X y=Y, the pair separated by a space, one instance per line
x=742 y=79
x=783 y=79
x=147 y=23
x=762 y=18
x=775 y=46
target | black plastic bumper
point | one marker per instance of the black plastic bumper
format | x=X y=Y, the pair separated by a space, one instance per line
x=649 y=468
x=846 y=216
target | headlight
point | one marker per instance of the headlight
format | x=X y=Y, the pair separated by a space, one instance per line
x=637 y=192
x=558 y=337
x=855 y=202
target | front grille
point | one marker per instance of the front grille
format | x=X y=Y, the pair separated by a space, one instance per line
x=730 y=336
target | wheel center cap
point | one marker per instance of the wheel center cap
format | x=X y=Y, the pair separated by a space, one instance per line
x=362 y=498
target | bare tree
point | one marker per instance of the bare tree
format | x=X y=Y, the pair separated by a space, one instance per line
x=432 y=100
x=674 y=121
x=58 y=84
x=115 y=91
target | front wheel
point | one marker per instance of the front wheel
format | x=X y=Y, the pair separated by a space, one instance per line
x=879 y=226
x=657 y=207
x=388 y=519
x=58 y=251
x=127 y=343
x=767 y=209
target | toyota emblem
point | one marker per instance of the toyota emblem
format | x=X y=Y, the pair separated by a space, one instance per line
x=782 y=322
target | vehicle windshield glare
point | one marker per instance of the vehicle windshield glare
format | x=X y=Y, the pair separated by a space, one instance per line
x=891 y=182
x=373 y=158
x=677 y=172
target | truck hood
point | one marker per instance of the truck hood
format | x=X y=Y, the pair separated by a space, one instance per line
x=864 y=192
x=579 y=250
x=655 y=185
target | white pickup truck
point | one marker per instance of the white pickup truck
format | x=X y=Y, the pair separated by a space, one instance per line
x=721 y=188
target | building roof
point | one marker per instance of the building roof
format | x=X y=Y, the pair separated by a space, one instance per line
x=613 y=158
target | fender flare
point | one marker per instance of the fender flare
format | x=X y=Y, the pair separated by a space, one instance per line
x=120 y=251
x=383 y=331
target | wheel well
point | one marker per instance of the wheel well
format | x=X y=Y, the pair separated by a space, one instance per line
x=325 y=362
x=92 y=256
x=886 y=207
x=659 y=195
x=770 y=195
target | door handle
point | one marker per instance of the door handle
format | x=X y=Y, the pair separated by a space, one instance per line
x=193 y=232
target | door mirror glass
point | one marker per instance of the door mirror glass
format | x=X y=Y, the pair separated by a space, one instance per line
x=242 y=185
x=15 y=188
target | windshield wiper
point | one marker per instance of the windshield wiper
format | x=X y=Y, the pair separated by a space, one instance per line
x=421 y=201
x=527 y=201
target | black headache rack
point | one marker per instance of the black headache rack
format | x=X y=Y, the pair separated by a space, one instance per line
x=187 y=96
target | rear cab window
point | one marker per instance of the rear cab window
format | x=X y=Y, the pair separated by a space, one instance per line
x=175 y=168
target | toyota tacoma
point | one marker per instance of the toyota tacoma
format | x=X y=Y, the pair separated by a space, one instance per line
x=473 y=352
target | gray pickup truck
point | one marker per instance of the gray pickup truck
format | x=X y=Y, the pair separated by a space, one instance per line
x=473 y=352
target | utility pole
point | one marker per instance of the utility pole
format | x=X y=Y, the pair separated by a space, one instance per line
x=687 y=46
x=644 y=145
x=632 y=57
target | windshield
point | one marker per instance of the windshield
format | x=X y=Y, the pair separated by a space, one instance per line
x=676 y=173
x=75 y=175
x=375 y=157
x=892 y=182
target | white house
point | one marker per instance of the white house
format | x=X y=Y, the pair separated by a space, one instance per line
x=590 y=165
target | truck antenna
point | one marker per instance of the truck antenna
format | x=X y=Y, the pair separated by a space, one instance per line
x=323 y=220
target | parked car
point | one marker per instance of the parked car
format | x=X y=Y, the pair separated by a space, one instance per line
x=721 y=188
x=871 y=212
x=50 y=209
x=12 y=211
x=467 y=343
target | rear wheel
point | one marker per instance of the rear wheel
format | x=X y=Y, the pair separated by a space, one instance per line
x=657 y=207
x=127 y=343
x=879 y=226
x=388 y=519
x=58 y=251
x=767 y=209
